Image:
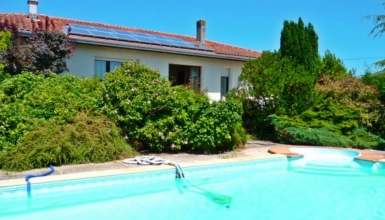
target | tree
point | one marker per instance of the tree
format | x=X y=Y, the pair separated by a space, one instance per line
x=353 y=93
x=300 y=44
x=44 y=51
x=378 y=30
x=262 y=85
x=332 y=67
x=379 y=23
x=274 y=84
x=378 y=81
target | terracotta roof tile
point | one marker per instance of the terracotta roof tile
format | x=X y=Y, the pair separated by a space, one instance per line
x=24 y=23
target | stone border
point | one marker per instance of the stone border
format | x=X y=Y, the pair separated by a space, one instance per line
x=366 y=155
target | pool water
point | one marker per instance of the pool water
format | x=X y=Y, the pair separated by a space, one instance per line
x=247 y=190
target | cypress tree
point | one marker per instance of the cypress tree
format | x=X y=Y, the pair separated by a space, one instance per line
x=299 y=43
x=299 y=46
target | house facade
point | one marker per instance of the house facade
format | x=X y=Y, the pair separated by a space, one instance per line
x=185 y=60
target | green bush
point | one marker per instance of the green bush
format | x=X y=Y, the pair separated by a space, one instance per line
x=352 y=93
x=326 y=124
x=273 y=84
x=323 y=136
x=159 y=117
x=27 y=97
x=378 y=81
x=86 y=139
x=218 y=128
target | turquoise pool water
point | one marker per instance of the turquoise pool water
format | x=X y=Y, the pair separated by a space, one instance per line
x=261 y=189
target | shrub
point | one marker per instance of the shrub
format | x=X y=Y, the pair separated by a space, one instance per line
x=273 y=85
x=327 y=124
x=378 y=81
x=352 y=93
x=332 y=68
x=159 y=117
x=218 y=128
x=86 y=139
x=27 y=97
x=323 y=136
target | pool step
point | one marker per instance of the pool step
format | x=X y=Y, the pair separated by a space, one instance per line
x=329 y=170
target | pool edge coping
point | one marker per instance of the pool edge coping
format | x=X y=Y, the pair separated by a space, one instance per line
x=366 y=155
x=133 y=170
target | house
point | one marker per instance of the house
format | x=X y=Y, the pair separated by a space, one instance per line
x=203 y=64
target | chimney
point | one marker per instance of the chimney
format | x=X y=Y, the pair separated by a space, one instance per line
x=201 y=31
x=33 y=8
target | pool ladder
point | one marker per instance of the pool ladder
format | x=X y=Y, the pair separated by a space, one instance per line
x=37 y=175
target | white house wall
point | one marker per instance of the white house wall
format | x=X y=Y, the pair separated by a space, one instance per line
x=82 y=64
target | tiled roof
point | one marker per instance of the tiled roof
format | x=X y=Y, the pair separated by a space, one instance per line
x=23 y=22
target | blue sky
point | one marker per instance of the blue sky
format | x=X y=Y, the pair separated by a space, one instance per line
x=253 y=24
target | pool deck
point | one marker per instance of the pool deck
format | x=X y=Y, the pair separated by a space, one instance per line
x=367 y=155
x=72 y=172
x=256 y=150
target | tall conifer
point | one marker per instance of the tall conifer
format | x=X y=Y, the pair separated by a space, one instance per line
x=299 y=43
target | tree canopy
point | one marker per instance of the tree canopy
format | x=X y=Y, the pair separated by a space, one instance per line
x=299 y=42
x=332 y=67
x=44 y=51
x=378 y=30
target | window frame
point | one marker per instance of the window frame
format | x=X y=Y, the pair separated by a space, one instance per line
x=225 y=74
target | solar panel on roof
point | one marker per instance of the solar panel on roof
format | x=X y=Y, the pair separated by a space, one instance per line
x=165 y=42
x=80 y=31
x=204 y=47
x=126 y=37
x=145 y=39
x=182 y=43
x=104 y=29
x=162 y=38
x=176 y=39
x=120 y=31
x=85 y=30
x=103 y=34
x=79 y=26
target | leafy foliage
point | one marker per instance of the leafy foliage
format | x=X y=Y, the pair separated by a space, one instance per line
x=379 y=23
x=378 y=30
x=5 y=38
x=263 y=83
x=159 y=117
x=86 y=139
x=274 y=85
x=283 y=82
x=327 y=124
x=332 y=68
x=378 y=81
x=352 y=93
x=43 y=52
x=218 y=128
x=299 y=43
x=27 y=96
x=57 y=119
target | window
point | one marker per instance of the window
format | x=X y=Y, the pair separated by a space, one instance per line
x=102 y=67
x=185 y=75
x=225 y=79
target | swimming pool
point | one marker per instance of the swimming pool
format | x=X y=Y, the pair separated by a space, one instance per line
x=257 y=189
